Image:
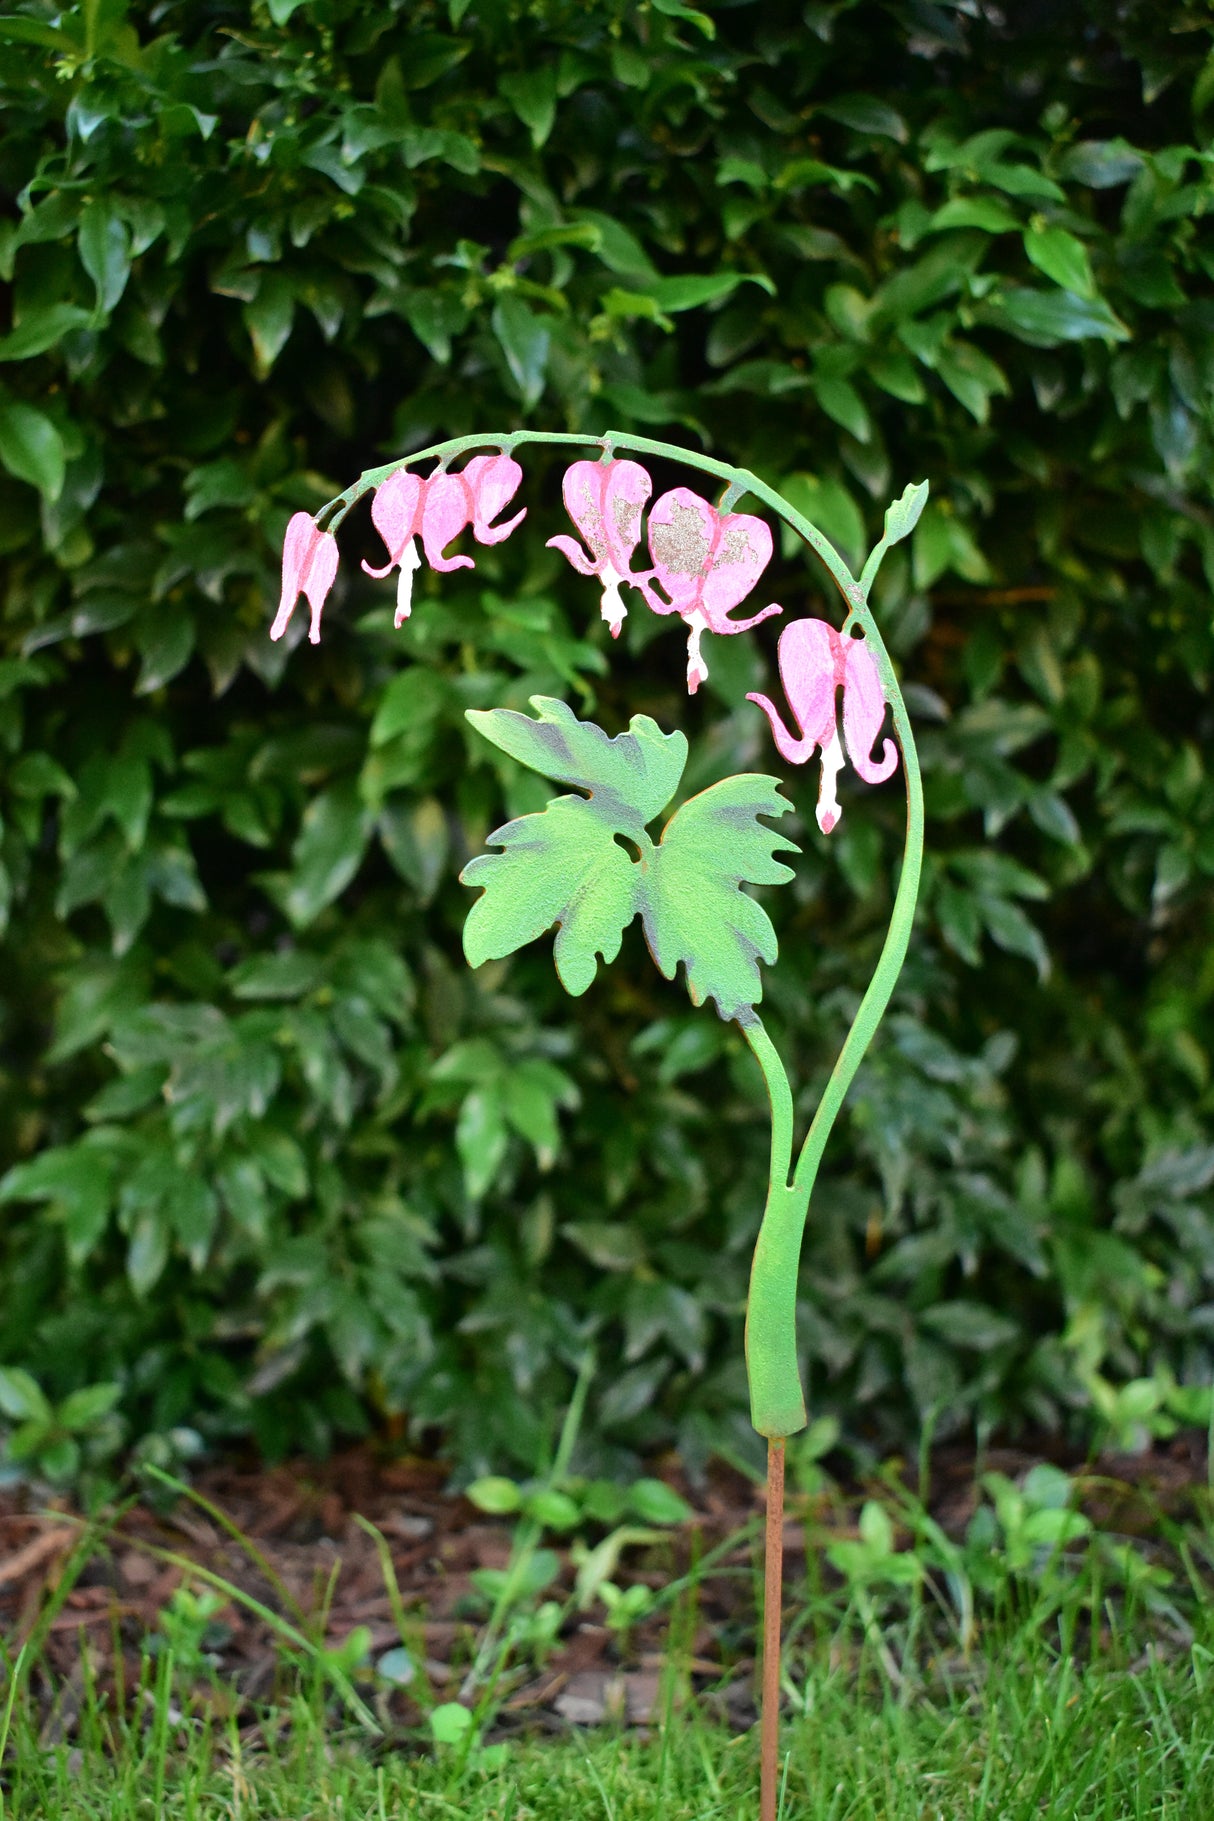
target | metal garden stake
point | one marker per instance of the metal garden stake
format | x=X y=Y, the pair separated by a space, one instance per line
x=565 y=867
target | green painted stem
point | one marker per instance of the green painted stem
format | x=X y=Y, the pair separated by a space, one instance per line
x=740 y=480
x=776 y=1400
x=777 y=1407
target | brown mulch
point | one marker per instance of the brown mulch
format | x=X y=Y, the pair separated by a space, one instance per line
x=301 y=1519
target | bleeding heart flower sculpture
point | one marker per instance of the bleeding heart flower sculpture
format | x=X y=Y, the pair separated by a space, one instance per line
x=588 y=865
x=707 y=562
x=309 y=563
x=605 y=501
x=815 y=662
x=407 y=506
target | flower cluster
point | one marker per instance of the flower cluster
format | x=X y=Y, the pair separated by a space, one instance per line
x=703 y=564
x=405 y=507
x=705 y=561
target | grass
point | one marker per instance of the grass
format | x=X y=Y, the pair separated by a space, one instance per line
x=1036 y=1670
x=1035 y=1738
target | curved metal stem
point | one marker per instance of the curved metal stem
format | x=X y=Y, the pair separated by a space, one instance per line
x=738 y=481
x=893 y=952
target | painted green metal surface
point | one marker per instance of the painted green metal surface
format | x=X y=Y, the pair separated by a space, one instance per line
x=589 y=863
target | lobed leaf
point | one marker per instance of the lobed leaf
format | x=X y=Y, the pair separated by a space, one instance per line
x=563 y=867
x=630 y=778
x=692 y=906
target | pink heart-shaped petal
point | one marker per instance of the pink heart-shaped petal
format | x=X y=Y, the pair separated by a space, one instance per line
x=582 y=492
x=682 y=530
x=864 y=712
x=309 y=564
x=395 y=513
x=319 y=579
x=447 y=508
x=494 y=480
x=810 y=670
x=626 y=489
x=741 y=552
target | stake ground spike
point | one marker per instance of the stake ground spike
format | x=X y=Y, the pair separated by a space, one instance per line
x=587 y=865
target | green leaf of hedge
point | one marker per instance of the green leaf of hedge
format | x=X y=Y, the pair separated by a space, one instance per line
x=525 y=340
x=532 y=95
x=1061 y=257
x=31 y=448
x=1046 y=318
x=41 y=329
x=105 y=252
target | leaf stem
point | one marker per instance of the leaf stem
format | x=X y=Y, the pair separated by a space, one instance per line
x=778 y=1092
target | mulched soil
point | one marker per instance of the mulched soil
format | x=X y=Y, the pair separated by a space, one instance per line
x=302 y=1519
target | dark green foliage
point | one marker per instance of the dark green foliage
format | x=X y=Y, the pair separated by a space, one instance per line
x=281 y=1163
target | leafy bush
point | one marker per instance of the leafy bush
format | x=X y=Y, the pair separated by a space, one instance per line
x=281 y=1165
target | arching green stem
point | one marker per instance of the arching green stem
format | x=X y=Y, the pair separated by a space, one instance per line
x=893 y=951
x=777 y=1403
x=739 y=479
x=777 y=1406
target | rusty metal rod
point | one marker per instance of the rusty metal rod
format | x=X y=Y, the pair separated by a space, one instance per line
x=773 y=1591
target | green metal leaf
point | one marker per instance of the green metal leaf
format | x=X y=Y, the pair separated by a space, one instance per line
x=562 y=866
x=903 y=515
x=567 y=866
x=693 y=908
x=631 y=777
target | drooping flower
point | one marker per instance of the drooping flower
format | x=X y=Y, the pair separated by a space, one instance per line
x=707 y=562
x=407 y=506
x=309 y=563
x=815 y=663
x=605 y=501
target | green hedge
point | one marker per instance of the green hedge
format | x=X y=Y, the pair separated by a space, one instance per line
x=281 y=1166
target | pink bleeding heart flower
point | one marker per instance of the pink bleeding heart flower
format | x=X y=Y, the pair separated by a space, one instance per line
x=707 y=562
x=815 y=663
x=309 y=563
x=605 y=501
x=437 y=509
